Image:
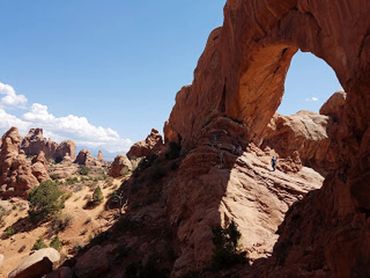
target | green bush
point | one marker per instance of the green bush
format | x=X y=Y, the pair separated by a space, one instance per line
x=226 y=253
x=71 y=181
x=45 y=201
x=97 y=197
x=56 y=243
x=84 y=171
x=9 y=232
x=39 y=244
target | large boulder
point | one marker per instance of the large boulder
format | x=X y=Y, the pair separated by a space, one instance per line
x=85 y=158
x=37 y=264
x=93 y=264
x=152 y=144
x=65 y=149
x=303 y=133
x=121 y=166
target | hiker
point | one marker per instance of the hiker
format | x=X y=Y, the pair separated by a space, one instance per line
x=273 y=163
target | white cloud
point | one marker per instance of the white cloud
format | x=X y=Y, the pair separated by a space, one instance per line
x=311 y=99
x=10 y=98
x=72 y=127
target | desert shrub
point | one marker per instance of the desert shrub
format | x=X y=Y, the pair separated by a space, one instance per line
x=54 y=176
x=97 y=197
x=45 y=201
x=84 y=171
x=226 y=253
x=173 y=151
x=39 y=244
x=56 y=243
x=10 y=231
x=70 y=181
x=61 y=222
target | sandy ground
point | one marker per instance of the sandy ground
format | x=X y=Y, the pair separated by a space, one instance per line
x=85 y=224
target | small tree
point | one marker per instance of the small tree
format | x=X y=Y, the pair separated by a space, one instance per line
x=226 y=253
x=97 y=197
x=45 y=201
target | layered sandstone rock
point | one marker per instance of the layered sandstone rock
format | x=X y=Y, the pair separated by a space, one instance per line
x=121 y=166
x=152 y=144
x=16 y=173
x=35 y=142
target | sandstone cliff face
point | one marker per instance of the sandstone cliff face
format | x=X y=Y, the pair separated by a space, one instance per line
x=16 y=172
x=304 y=133
x=152 y=144
x=241 y=75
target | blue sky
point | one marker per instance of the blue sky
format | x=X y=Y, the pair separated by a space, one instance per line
x=115 y=66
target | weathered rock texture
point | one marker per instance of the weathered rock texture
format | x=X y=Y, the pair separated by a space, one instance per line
x=304 y=133
x=152 y=144
x=121 y=166
x=85 y=158
x=34 y=143
x=241 y=75
x=16 y=172
x=222 y=175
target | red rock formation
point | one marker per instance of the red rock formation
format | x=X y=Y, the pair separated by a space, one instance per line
x=34 y=143
x=152 y=144
x=16 y=174
x=66 y=148
x=100 y=156
x=304 y=133
x=85 y=158
x=40 y=167
x=121 y=166
x=238 y=85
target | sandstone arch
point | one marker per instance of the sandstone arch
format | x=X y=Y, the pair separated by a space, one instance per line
x=241 y=74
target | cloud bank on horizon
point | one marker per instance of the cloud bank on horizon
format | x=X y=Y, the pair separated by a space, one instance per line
x=71 y=127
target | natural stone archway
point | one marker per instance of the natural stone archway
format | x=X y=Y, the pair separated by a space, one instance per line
x=241 y=75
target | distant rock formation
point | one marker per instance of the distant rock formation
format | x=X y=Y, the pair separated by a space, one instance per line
x=152 y=144
x=121 y=166
x=35 y=142
x=40 y=167
x=100 y=156
x=85 y=158
x=16 y=172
